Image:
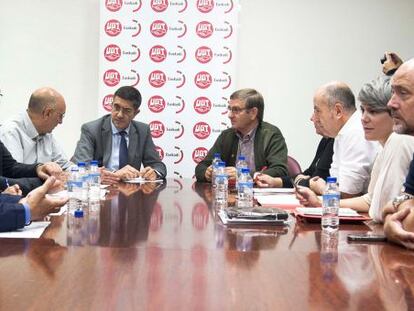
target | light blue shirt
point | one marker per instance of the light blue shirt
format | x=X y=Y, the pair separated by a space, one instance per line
x=27 y=214
x=113 y=163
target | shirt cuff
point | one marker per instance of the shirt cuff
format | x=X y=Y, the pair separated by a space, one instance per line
x=27 y=214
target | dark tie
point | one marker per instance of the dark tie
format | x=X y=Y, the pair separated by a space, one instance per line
x=123 y=150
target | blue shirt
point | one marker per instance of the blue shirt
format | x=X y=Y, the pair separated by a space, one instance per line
x=113 y=163
x=27 y=215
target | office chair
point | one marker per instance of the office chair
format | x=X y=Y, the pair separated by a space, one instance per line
x=293 y=167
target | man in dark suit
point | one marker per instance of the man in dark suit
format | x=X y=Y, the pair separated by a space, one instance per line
x=27 y=176
x=17 y=212
x=119 y=143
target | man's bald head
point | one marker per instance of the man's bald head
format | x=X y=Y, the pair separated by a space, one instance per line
x=338 y=92
x=402 y=100
x=42 y=98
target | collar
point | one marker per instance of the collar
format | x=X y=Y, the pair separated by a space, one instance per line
x=115 y=130
x=29 y=126
x=249 y=135
x=354 y=120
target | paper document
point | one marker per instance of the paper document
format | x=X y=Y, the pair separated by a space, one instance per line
x=317 y=211
x=140 y=180
x=277 y=199
x=33 y=231
x=259 y=191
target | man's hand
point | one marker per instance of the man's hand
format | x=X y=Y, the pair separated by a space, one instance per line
x=40 y=205
x=301 y=177
x=127 y=172
x=14 y=190
x=209 y=173
x=307 y=197
x=231 y=172
x=148 y=173
x=266 y=181
x=394 y=230
x=317 y=185
x=48 y=169
x=109 y=178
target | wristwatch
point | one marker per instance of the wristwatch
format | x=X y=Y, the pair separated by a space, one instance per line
x=401 y=198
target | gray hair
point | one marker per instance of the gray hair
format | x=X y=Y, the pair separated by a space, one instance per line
x=376 y=94
x=339 y=92
x=252 y=98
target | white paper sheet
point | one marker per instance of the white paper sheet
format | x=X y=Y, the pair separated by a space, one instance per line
x=140 y=180
x=33 y=231
x=277 y=199
x=259 y=191
x=343 y=212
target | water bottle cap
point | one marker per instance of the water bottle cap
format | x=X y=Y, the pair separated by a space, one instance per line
x=245 y=170
x=242 y=158
x=78 y=213
x=94 y=162
x=217 y=155
x=331 y=180
x=81 y=164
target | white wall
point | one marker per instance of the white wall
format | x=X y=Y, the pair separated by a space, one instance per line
x=287 y=49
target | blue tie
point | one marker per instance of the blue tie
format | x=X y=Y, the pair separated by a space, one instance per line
x=123 y=150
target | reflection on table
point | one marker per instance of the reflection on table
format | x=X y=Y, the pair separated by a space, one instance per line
x=162 y=247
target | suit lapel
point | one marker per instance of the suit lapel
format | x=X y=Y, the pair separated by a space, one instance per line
x=133 y=144
x=107 y=140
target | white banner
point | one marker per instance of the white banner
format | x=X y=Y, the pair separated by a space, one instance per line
x=181 y=56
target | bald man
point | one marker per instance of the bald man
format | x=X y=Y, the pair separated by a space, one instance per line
x=28 y=136
x=335 y=114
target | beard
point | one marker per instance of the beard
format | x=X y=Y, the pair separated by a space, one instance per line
x=401 y=127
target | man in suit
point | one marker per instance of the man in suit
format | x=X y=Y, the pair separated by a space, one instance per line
x=262 y=143
x=119 y=143
x=26 y=176
x=17 y=212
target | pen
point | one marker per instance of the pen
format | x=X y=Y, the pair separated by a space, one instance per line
x=7 y=183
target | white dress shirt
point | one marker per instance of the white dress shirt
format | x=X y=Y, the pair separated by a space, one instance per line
x=21 y=138
x=388 y=174
x=353 y=157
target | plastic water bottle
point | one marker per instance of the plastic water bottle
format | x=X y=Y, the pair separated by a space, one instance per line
x=330 y=206
x=221 y=185
x=245 y=189
x=84 y=176
x=214 y=165
x=94 y=184
x=241 y=163
x=74 y=188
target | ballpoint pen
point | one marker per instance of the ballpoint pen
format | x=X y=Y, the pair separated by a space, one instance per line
x=7 y=183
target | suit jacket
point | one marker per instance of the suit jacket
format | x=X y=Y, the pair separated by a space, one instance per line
x=270 y=151
x=320 y=165
x=12 y=214
x=17 y=173
x=95 y=143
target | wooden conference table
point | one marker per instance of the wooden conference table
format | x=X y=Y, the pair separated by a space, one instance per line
x=166 y=250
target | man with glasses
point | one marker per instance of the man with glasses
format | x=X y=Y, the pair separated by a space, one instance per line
x=262 y=144
x=28 y=136
x=119 y=143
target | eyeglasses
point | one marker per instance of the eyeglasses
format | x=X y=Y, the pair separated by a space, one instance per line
x=60 y=115
x=127 y=111
x=236 y=110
